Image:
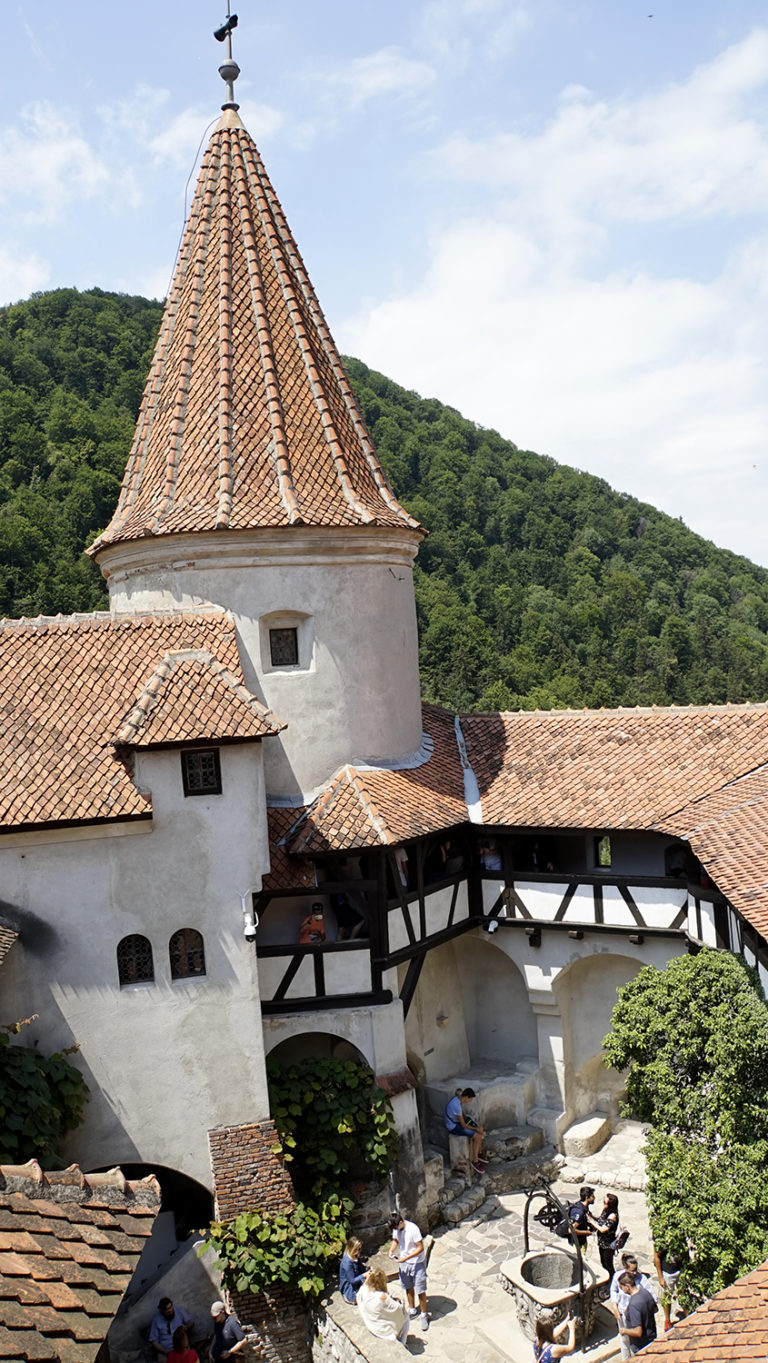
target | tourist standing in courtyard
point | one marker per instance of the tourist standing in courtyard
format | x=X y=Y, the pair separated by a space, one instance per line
x=607 y=1231
x=165 y=1322
x=228 y=1336
x=668 y=1268
x=582 y=1223
x=639 y=1316
x=618 y=1298
x=408 y=1250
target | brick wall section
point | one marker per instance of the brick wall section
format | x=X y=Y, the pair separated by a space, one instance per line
x=247 y=1174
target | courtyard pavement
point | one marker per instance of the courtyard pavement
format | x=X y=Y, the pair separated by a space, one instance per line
x=472 y=1315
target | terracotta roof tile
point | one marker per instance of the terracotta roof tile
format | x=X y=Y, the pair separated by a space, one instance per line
x=286 y=872
x=733 y=1325
x=365 y=805
x=51 y=1306
x=190 y=692
x=70 y=687
x=248 y=418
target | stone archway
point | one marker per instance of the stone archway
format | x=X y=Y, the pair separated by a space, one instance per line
x=314 y=1046
x=586 y=994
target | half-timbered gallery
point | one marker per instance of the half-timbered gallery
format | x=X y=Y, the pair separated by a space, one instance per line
x=237 y=749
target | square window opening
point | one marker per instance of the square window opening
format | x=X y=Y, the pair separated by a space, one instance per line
x=201 y=771
x=284 y=647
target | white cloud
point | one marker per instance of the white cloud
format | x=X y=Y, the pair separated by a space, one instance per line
x=457 y=31
x=20 y=274
x=45 y=163
x=387 y=72
x=654 y=380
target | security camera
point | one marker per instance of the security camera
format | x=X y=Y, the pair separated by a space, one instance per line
x=492 y=926
x=221 y=33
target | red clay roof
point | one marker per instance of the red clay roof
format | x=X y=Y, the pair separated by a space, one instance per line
x=609 y=768
x=732 y=1327
x=362 y=806
x=285 y=871
x=248 y=419
x=69 y=688
x=69 y=1244
x=190 y=692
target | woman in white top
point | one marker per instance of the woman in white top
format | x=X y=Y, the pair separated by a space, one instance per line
x=384 y=1315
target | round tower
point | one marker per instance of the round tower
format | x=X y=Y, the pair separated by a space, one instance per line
x=253 y=486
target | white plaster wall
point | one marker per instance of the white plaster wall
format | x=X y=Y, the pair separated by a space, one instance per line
x=499 y=1019
x=376 y=1032
x=435 y=1028
x=169 y=1060
x=360 y=682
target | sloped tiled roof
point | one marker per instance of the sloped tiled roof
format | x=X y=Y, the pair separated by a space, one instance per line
x=732 y=1327
x=285 y=871
x=67 y=687
x=69 y=1244
x=248 y=420
x=190 y=692
x=727 y=831
x=362 y=806
x=609 y=768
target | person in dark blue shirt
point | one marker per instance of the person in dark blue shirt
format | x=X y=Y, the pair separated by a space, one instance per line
x=352 y=1269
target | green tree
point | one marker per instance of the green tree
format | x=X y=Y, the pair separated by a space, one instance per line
x=693 y=1041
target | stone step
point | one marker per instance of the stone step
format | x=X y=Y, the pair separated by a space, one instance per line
x=603 y=1175
x=504 y=1093
x=461 y=1207
x=587 y=1135
x=503 y=1176
x=512 y=1142
x=548 y=1118
x=452 y=1188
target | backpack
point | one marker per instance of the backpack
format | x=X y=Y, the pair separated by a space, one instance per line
x=622 y=1235
x=563 y=1228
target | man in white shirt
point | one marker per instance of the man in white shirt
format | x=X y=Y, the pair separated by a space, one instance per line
x=618 y=1299
x=408 y=1249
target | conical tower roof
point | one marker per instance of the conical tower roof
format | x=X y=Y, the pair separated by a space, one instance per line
x=248 y=420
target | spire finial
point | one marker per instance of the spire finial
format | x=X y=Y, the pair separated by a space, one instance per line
x=229 y=69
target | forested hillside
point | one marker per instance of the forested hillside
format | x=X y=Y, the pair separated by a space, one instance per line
x=537 y=586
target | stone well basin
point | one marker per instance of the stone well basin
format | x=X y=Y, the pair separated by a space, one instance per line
x=545 y=1286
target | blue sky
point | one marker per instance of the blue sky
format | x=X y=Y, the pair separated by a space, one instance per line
x=552 y=216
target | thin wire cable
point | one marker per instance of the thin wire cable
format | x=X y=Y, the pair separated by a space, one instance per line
x=186 y=192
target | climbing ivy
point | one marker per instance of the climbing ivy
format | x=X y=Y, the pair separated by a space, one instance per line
x=334 y=1123
x=296 y=1248
x=41 y=1098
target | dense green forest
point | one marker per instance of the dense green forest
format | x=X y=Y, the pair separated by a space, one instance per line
x=538 y=585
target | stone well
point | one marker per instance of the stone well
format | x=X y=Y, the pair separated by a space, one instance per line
x=545 y=1286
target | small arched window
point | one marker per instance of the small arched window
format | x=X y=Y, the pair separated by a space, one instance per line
x=187 y=954
x=134 y=960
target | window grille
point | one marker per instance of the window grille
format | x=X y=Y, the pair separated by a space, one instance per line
x=187 y=954
x=284 y=647
x=134 y=960
x=201 y=771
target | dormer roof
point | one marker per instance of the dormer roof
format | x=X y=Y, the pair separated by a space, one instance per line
x=248 y=420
